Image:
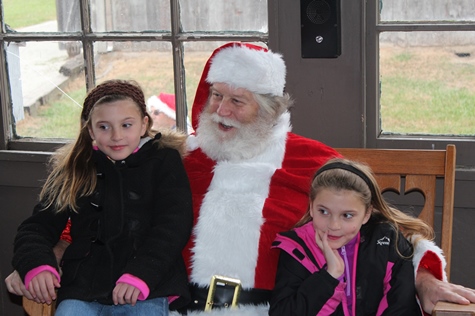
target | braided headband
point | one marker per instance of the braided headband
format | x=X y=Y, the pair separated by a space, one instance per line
x=113 y=87
x=350 y=168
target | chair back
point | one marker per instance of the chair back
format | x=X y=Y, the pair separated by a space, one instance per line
x=419 y=169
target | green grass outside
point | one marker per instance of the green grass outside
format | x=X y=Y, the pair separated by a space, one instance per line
x=426 y=107
x=21 y=13
x=427 y=91
x=59 y=119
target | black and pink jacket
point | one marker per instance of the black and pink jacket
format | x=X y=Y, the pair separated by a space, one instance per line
x=377 y=280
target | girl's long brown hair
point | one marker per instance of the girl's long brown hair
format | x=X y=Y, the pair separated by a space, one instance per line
x=341 y=179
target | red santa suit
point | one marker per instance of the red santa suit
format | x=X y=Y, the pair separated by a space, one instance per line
x=239 y=206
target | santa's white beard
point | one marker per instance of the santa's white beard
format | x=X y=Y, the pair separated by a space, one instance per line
x=248 y=141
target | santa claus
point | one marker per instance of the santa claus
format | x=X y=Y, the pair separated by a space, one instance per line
x=250 y=178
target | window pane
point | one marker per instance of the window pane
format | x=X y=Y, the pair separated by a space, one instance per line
x=22 y=13
x=126 y=15
x=212 y=15
x=148 y=63
x=427 y=83
x=68 y=16
x=196 y=55
x=39 y=76
x=427 y=10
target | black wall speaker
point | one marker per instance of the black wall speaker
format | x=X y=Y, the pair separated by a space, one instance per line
x=320 y=28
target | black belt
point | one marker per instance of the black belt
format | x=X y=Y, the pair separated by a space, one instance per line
x=223 y=296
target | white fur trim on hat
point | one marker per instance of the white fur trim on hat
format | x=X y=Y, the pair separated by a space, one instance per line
x=155 y=102
x=258 y=71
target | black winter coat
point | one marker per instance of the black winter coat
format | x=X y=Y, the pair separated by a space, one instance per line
x=137 y=221
x=383 y=278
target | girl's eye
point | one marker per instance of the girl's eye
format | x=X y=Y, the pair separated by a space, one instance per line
x=348 y=215
x=127 y=125
x=104 y=126
x=324 y=212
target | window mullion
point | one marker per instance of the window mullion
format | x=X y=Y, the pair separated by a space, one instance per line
x=432 y=26
x=87 y=45
x=5 y=112
x=178 y=66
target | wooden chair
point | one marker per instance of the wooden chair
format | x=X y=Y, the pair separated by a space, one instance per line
x=451 y=309
x=420 y=169
x=35 y=309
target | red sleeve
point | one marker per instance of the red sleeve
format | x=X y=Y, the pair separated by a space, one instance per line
x=66 y=234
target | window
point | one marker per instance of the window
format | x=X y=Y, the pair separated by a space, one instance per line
x=420 y=63
x=54 y=51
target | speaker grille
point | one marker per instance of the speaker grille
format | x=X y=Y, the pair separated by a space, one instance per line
x=318 y=11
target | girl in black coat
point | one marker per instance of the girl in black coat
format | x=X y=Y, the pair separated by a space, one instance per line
x=347 y=256
x=128 y=200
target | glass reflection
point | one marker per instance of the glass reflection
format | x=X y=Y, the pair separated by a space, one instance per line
x=130 y=16
x=212 y=15
x=427 y=10
x=41 y=74
x=148 y=63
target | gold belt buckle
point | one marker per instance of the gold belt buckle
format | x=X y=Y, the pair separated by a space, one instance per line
x=227 y=281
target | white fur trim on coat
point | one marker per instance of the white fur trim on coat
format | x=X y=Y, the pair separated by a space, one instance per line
x=422 y=248
x=227 y=232
x=192 y=143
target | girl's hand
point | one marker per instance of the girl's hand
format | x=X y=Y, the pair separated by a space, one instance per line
x=124 y=293
x=335 y=264
x=43 y=287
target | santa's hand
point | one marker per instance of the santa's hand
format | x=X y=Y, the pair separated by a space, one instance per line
x=335 y=264
x=15 y=285
x=431 y=290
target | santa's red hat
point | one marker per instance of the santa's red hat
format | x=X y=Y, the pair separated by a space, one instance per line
x=164 y=102
x=241 y=65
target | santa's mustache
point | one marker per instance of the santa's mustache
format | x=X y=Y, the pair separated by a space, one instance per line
x=225 y=121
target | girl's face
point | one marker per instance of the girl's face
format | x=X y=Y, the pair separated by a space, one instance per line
x=117 y=128
x=341 y=213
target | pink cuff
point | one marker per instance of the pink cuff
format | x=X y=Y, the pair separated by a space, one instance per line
x=138 y=283
x=172 y=298
x=34 y=272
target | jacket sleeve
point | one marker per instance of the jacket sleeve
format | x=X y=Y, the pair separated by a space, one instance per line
x=35 y=238
x=298 y=292
x=172 y=220
x=429 y=256
x=399 y=285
